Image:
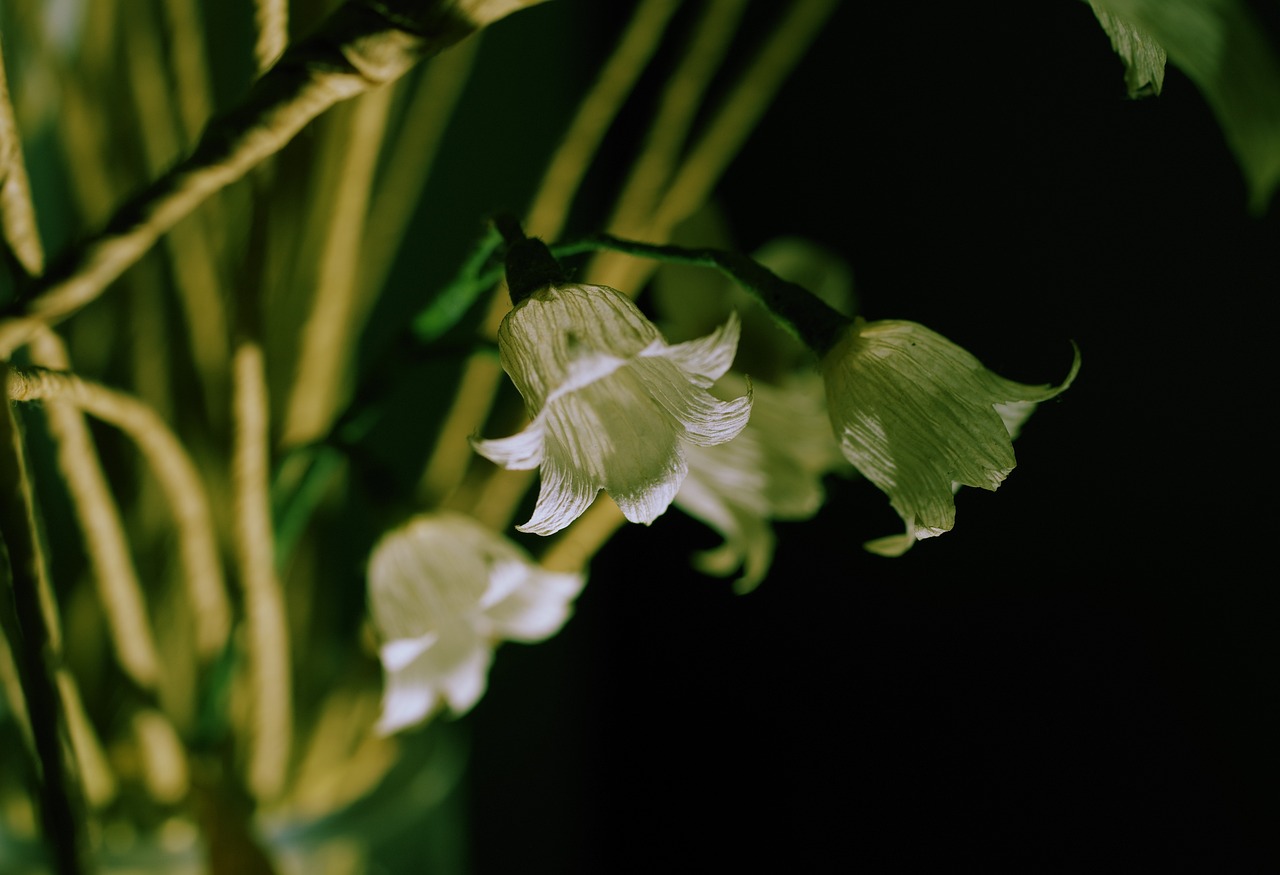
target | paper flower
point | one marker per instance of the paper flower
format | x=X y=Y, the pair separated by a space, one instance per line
x=444 y=590
x=918 y=416
x=612 y=403
x=772 y=470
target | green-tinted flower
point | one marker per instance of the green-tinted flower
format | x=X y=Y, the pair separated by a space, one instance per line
x=444 y=590
x=772 y=470
x=613 y=405
x=918 y=416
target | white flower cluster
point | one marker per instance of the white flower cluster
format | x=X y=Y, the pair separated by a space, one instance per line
x=613 y=406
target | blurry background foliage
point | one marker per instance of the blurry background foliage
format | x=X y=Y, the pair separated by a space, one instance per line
x=1085 y=669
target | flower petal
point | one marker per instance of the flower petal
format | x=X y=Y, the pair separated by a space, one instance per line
x=519 y=452
x=917 y=414
x=706 y=359
x=536 y=606
x=705 y=420
x=543 y=336
x=452 y=670
x=424 y=574
x=564 y=496
x=645 y=501
x=443 y=590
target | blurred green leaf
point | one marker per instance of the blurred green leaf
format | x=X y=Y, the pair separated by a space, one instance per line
x=1143 y=57
x=1221 y=47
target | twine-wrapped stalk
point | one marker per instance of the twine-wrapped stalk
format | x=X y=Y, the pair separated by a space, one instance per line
x=176 y=474
x=361 y=45
x=110 y=560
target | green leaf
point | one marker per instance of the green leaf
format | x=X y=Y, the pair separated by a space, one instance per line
x=1143 y=57
x=1225 y=51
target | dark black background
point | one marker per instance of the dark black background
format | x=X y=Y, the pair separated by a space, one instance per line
x=1083 y=675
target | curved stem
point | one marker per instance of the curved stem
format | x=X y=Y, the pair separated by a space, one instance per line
x=176 y=474
x=114 y=574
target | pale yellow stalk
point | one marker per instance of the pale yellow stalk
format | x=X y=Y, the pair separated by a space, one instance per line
x=188 y=63
x=572 y=549
x=706 y=162
x=176 y=474
x=111 y=562
x=595 y=114
x=410 y=156
x=17 y=215
x=165 y=772
x=677 y=107
x=99 y=781
x=321 y=377
x=271 y=21
x=271 y=686
x=191 y=256
x=12 y=686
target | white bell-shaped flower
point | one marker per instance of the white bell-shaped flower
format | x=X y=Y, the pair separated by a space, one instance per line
x=612 y=403
x=919 y=417
x=444 y=590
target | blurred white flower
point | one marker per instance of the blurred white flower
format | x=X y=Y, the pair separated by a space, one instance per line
x=444 y=590
x=919 y=417
x=612 y=403
x=772 y=470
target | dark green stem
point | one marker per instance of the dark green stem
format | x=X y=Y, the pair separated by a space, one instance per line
x=804 y=314
x=33 y=644
x=529 y=263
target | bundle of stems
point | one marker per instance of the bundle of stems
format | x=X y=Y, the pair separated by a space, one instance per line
x=199 y=376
